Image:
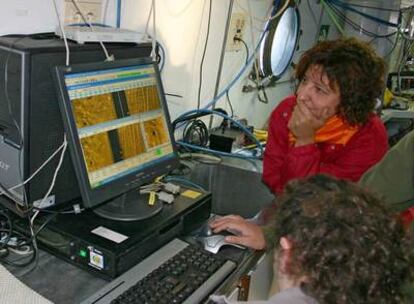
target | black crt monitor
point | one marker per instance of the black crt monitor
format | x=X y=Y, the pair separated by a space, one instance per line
x=118 y=130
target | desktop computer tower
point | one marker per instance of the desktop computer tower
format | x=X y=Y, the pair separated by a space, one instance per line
x=31 y=128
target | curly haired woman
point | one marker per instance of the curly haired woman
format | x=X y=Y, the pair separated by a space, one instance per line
x=329 y=126
x=337 y=244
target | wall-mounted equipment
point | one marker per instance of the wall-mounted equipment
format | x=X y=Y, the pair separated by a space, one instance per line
x=279 y=44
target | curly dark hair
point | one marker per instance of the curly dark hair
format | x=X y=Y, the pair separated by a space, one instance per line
x=352 y=65
x=346 y=243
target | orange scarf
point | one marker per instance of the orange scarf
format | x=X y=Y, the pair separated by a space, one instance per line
x=334 y=131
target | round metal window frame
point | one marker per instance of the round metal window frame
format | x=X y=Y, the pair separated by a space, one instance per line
x=266 y=47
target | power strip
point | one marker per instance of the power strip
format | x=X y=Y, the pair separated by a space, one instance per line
x=82 y=34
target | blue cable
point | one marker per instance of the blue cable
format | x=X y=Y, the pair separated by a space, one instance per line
x=118 y=14
x=184 y=181
x=194 y=147
x=221 y=94
x=230 y=85
x=238 y=124
x=346 y=6
x=375 y=7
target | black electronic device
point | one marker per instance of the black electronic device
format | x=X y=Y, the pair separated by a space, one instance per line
x=108 y=248
x=177 y=273
x=31 y=128
x=118 y=127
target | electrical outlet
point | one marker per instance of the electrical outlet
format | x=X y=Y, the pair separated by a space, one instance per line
x=236 y=31
x=91 y=9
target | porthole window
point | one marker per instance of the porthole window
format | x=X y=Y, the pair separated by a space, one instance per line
x=279 y=44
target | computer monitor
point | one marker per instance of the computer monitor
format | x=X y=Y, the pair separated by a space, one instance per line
x=118 y=131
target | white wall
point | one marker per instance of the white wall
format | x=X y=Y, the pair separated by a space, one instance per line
x=181 y=28
x=27 y=16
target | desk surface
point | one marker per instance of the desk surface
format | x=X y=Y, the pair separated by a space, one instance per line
x=61 y=282
x=57 y=280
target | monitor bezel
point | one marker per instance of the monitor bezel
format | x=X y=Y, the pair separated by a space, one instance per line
x=93 y=197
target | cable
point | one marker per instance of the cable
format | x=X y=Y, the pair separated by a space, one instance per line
x=280 y=11
x=87 y=25
x=252 y=57
x=50 y=218
x=245 y=46
x=238 y=124
x=108 y=58
x=184 y=181
x=234 y=155
x=8 y=235
x=52 y=184
x=5 y=240
x=229 y=102
x=162 y=58
x=235 y=79
x=174 y=95
x=263 y=99
x=356 y=26
x=38 y=169
x=206 y=157
x=371 y=17
x=154 y=30
x=255 y=62
x=118 y=13
x=200 y=79
x=332 y=17
x=148 y=21
x=374 y=7
x=65 y=40
x=196 y=132
x=393 y=47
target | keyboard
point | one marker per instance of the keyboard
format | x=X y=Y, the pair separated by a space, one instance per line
x=176 y=273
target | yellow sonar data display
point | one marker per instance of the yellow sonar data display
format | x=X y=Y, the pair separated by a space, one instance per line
x=120 y=122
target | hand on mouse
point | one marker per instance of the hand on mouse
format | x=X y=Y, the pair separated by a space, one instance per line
x=249 y=234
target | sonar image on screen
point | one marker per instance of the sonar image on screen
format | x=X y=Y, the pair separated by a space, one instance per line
x=120 y=122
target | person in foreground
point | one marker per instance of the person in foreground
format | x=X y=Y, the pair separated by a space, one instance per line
x=329 y=125
x=337 y=244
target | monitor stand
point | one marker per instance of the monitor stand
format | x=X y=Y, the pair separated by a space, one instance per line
x=130 y=206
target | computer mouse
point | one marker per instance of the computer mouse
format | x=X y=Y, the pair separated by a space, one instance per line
x=214 y=242
x=205 y=231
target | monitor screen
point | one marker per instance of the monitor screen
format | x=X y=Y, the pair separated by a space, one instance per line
x=117 y=124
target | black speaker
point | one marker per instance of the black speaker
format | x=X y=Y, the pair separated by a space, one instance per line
x=31 y=128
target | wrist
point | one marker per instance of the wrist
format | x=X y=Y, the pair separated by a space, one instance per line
x=304 y=141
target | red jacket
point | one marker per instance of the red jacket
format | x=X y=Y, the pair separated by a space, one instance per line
x=283 y=162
